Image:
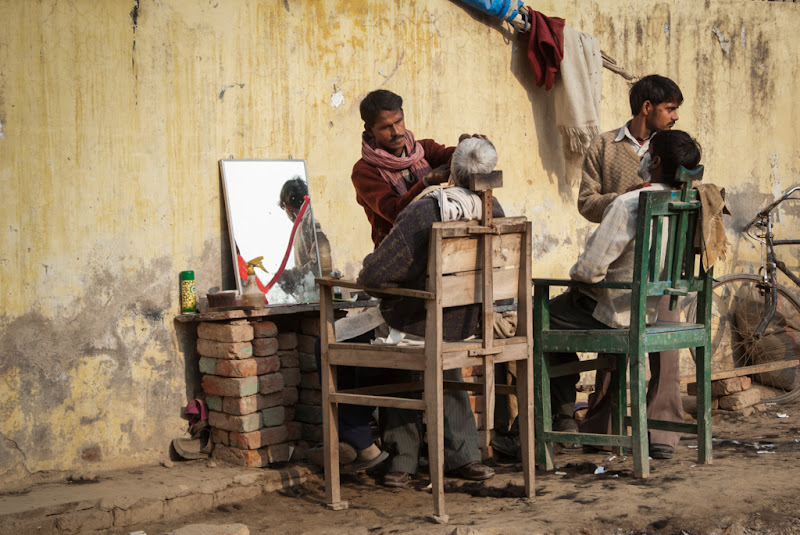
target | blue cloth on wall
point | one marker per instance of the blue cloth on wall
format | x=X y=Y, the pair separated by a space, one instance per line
x=502 y=9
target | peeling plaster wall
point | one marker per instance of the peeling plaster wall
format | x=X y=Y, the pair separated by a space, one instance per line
x=113 y=116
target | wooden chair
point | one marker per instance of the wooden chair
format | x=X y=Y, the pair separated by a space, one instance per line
x=458 y=251
x=683 y=275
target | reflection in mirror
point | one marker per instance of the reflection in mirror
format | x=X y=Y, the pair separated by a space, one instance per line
x=269 y=215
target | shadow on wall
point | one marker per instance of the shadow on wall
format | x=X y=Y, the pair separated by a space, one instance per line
x=551 y=152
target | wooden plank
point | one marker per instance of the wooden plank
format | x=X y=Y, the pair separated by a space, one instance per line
x=745 y=370
x=483 y=182
x=461 y=254
x=396 y=360
x=379 y=401
x=599 y=363
x=403 y=292
x=385 y=390
x=464 y=289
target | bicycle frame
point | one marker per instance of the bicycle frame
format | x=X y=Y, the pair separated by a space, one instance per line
x=770 y=263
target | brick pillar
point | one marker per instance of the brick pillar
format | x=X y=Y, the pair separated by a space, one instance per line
x=244 y=390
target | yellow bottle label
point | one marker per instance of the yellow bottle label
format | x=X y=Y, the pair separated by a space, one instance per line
x=188 y=302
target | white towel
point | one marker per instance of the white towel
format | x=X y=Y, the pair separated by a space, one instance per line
x=457 y=204
x=577 y=90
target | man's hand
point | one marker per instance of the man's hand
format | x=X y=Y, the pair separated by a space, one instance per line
x=438 y=175
x=462 y=137
x=638 y=186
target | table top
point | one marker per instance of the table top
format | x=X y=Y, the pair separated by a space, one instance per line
x=270 y=310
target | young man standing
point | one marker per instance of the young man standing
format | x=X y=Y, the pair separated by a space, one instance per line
x=609 y=170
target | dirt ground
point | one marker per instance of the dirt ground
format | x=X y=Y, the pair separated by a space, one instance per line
x=753 y=486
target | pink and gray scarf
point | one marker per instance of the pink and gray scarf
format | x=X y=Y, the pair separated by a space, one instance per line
x=390 y=166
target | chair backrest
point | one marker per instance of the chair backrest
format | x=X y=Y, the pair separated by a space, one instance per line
x=665 y=257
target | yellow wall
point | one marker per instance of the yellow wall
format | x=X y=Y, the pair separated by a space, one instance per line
x=113 y=116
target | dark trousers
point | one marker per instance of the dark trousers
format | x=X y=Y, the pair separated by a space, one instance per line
x=354 y=420
x=400 y=433
x=570 y=310
x=663 y=391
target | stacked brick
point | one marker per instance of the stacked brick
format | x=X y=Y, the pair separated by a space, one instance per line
x=308 y=411
x=246 y=392
x=732 y=394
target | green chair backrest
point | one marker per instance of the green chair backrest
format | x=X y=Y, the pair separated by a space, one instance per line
x=671 y=216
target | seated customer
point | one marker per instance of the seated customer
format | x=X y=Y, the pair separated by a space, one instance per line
x=609 y=256
x=401 y=261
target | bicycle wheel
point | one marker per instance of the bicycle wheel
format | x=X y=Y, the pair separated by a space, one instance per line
x=736 y=308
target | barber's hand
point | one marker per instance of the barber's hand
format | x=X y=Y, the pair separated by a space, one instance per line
x=462 y=137
x=438 y=175
x=638 y=186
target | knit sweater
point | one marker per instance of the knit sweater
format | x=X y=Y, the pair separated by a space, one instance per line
x=609 y=169
x=380 y=200
x=401 y=260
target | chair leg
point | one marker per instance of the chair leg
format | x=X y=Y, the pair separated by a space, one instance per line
x=641 y=462
x=525 y=419
x=488 y=408
x=619 y=399
x=703 y=380
x=330 y=442
x=434 y=413
x=542 y=417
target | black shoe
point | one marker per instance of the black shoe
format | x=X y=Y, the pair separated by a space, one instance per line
x=565 y=424
x=508 y=446
x=661 y=451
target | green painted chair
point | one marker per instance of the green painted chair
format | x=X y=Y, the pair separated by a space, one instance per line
x=682 y=275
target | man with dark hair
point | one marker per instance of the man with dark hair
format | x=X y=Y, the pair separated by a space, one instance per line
x=609 y=170
x=394 y=167
x=609 y=256
x=612 y=159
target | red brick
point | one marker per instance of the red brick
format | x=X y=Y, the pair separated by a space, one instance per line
x=287 y=340
x=237 y=456
x=273 y=416
x=223 y=332
x=310 y=380
x=310 y=326
x=288 y=415
x=312 y=432
x=291 y=376
x=266 y=401
x=267 y=364
x=264 y=329
x=311 y=414
x=476 y=402
x=220 y=436
x=224 y=350
x=289 y=358
x=271 y=382
x=230 y=422
x=289 y=396
x=276 y=453
x=295 y=430
x=237 y=368
x=258 y=439
x=305 y=344
x=471 y=371
x=264 y=347
x=310 y=397
x=230 y=386
x=307 y=363
x=240 y=406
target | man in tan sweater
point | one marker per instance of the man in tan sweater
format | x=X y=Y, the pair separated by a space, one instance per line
x=610 y=169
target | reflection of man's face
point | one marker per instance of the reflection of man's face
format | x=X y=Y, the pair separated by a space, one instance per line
x=291 y=212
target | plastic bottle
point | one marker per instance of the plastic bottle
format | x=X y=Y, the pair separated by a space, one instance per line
x=252 y=295
x=188 y=297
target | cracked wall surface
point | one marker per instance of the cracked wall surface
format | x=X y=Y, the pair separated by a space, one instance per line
x=113 y=116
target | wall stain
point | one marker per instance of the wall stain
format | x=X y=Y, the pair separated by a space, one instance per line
x=222 y=93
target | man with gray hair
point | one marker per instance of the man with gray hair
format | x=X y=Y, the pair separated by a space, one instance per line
x=401 y=261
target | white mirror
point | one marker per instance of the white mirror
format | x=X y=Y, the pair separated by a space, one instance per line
x=264 y=200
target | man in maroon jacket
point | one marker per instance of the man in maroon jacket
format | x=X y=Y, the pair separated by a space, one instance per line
x=394 y=167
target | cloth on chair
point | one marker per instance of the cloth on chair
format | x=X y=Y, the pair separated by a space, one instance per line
x=712 y=232
x=577 y=96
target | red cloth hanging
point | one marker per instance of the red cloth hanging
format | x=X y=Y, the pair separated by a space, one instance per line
x=545 y=46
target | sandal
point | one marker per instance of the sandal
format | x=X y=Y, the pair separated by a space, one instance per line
x=199 y=446
x=396 y=479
